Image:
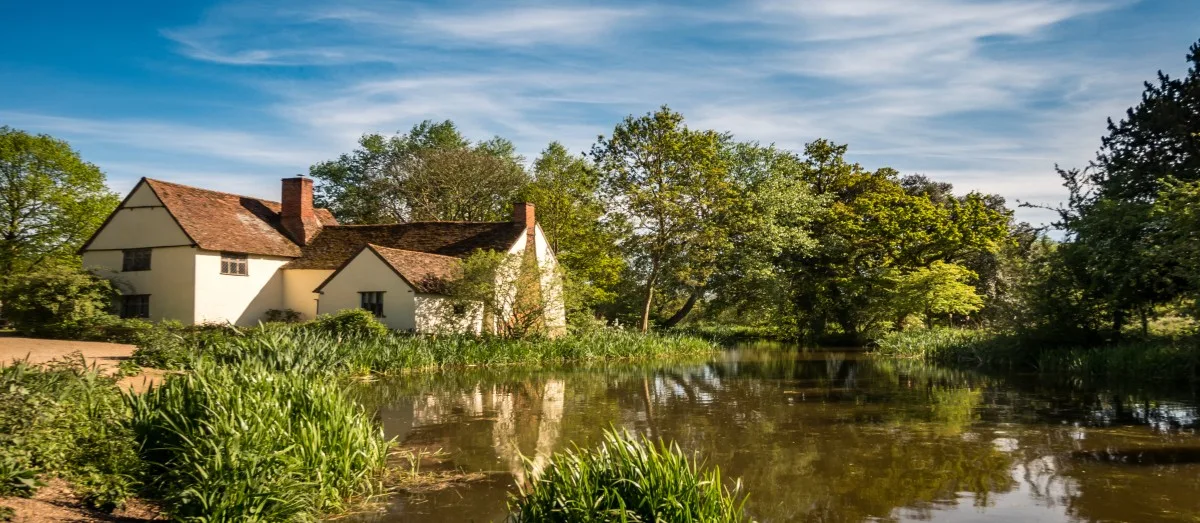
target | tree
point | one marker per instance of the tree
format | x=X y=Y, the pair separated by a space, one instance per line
x=1110 y=217
x=670 y=183
x=511 y=294
x=937 y=290
x=50 y=200
x=430 y=173
x=565 y=189
x=63 y=301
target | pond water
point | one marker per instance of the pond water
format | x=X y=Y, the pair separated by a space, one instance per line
x=816 y=436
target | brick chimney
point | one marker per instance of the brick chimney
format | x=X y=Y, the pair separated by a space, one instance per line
x=523 y=214
x=296 y=215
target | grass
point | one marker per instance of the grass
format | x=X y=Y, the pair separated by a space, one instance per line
x=244 y=443
x=66 y=420
x=304 y=349
x=1164 y=360
x=626 y=479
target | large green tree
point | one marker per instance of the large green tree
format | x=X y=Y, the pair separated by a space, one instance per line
x=50 y=200
x=1110 y=221
x=431 y=173
x=670 y=183
x=565 y=190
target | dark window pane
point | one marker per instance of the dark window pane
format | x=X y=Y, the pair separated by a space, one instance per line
x=233 y=263
x=135 y=306
x=372 y=301
x=135 y=260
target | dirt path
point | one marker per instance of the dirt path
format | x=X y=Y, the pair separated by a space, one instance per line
x=103 y=355
x=57 y=503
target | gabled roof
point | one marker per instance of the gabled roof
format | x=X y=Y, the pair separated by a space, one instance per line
x=218 y=221
x=335 y=245
x=426 y=273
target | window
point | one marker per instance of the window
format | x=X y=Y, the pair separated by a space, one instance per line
x=460 y=309
x=135 y=260
x=135 y=306
x=373 y=301
x=234 y=263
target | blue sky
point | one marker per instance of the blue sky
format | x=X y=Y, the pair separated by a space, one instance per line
x=987 y=94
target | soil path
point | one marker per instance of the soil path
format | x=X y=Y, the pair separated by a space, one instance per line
x=103 y=355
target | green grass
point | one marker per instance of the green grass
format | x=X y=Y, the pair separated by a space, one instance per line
x=1174 y=360
x=66 y=420
x=626 y=479
x=244 y=443
x=305 y=349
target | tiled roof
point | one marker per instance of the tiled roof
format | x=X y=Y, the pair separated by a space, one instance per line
x=219 y=221
x=426 y=273
x=334 y=245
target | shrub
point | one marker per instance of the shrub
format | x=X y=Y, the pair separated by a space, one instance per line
x=59 y=302
x=281 y=316
x=350 y=322
x=626 y=479
x=68 y=420
x=242 y=443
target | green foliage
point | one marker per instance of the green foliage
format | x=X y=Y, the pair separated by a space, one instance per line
x=349 y=322
x=68 y=420
x=242 y=443
x=281 y=316
x=627 y=479
x=670 y=184
x=565 y=191
x=1118 y=228
x=59 y=302
x=50 y=201
x=937 y=290
x=430 y=173
x=302 y=349
x=7 y=513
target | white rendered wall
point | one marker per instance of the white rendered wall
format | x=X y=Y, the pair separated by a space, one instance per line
x=367 y=273
x=435 y=313
x=298 y=287
x=170 y=282
x=240 y=300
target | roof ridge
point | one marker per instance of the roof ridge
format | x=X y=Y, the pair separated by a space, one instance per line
x=212 y=191
x=349 y=225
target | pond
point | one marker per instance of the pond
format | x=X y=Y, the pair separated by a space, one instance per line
x=815 y=436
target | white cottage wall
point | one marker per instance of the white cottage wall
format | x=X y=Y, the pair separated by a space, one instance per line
x=367 y=273
x=237 y=299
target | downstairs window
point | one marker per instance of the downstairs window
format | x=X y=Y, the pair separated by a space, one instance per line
x=372 y=301
x=135 y=306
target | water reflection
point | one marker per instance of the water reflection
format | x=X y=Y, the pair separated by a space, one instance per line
x=817 y=437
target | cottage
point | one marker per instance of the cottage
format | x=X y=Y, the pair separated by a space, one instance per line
x=200 y=256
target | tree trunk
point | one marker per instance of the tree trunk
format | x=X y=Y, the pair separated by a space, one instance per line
x=685 y=310
x=646 y=306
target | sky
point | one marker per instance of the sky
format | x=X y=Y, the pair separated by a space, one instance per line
x=987 y=94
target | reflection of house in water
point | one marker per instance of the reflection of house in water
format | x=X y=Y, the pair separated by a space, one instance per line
x=526 y=422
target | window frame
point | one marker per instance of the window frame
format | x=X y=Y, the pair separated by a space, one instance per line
x=374 y=307
x=131 y=257
x=230 y=260
x=144 y=307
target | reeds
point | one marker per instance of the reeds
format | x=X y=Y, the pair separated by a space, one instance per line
x=626 y=479
x=244 y=443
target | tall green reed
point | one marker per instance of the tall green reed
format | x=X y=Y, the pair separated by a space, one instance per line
x=626 y=479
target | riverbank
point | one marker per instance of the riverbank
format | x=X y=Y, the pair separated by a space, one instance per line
x=1165 y=361
x=249 y=416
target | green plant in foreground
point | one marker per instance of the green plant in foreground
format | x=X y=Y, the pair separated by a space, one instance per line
x=243 y=443
x=66 y=419
x=626 y=479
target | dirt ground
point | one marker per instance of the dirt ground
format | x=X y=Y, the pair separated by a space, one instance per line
x=103 y=355
x=55 y=502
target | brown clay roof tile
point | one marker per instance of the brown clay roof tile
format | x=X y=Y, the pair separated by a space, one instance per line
x=334 y=245
x=219 y=221
x=426 y=273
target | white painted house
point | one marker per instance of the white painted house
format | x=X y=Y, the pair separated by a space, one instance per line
x=199 y=256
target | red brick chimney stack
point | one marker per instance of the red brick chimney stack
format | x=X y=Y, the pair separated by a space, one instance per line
x=523 y=214
x=296 y=215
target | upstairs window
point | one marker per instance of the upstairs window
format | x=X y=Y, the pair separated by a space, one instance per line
x=235 y=264
x=135 y=260
x=135 y=306
x=372 y=301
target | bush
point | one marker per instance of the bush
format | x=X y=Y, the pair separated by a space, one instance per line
x=67 y=420
x=242 y=443
x=626 y=479
x=57 y=303
x=281 y=316
x=350 y=322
